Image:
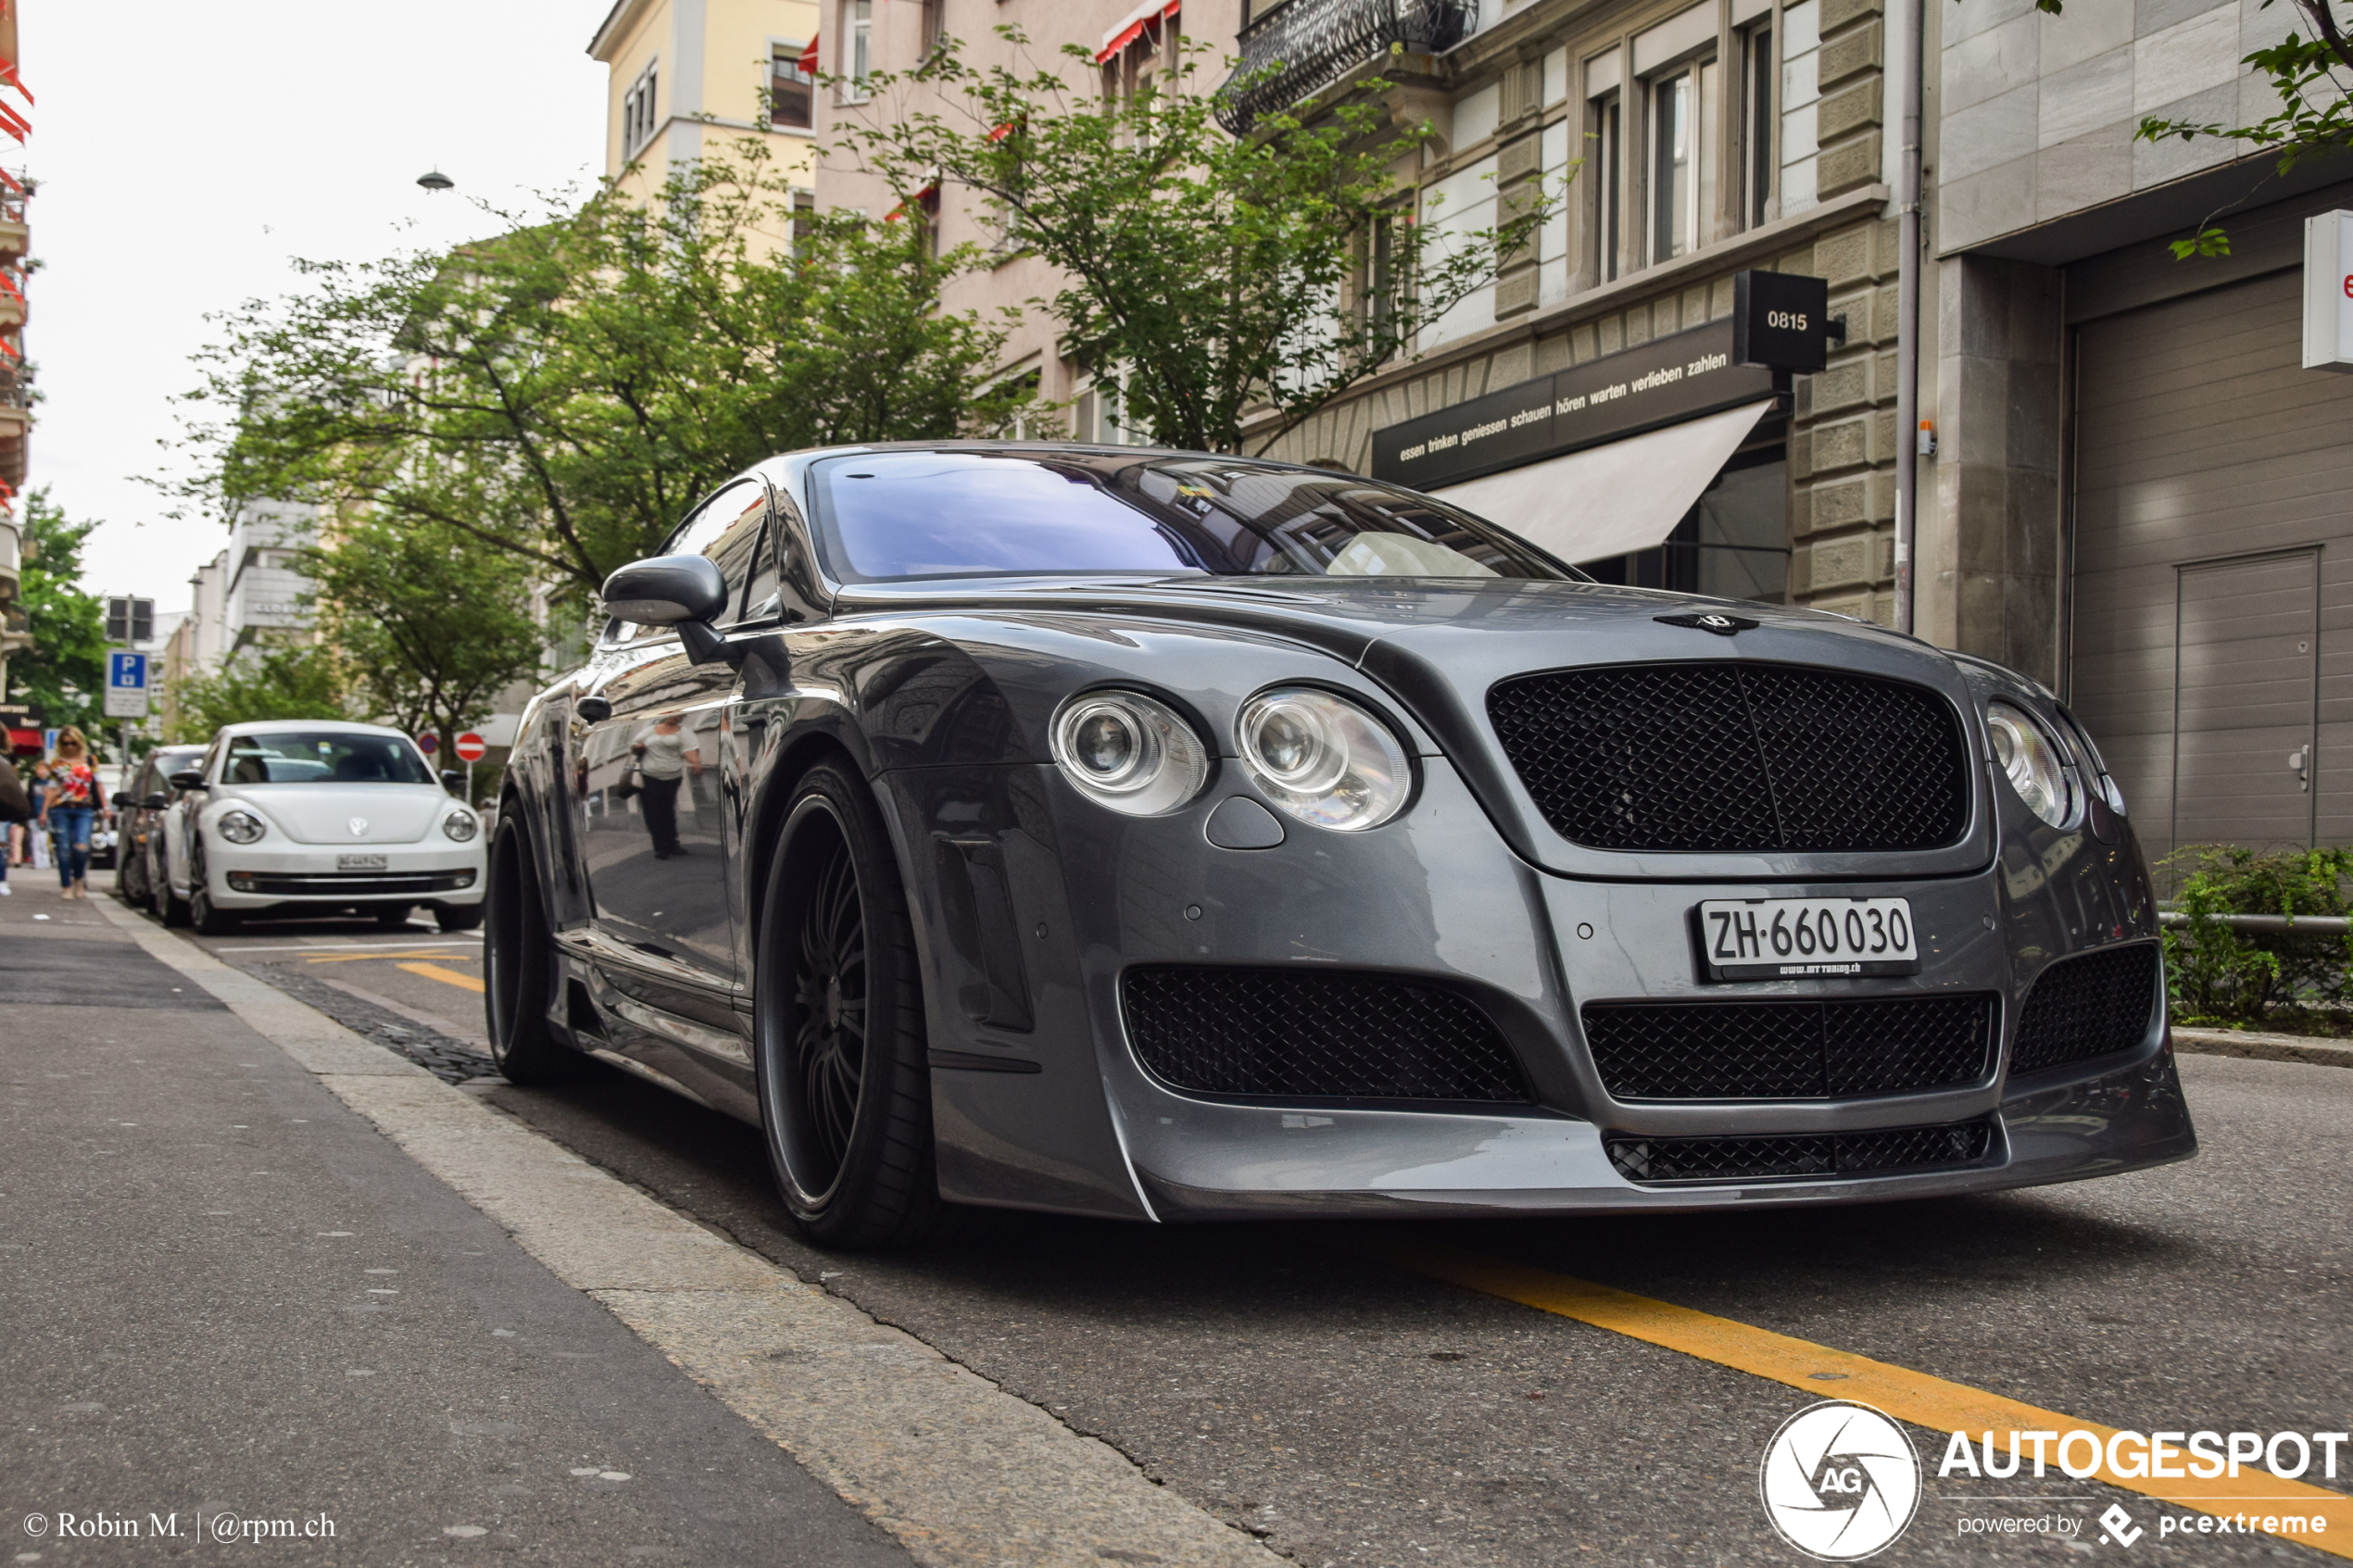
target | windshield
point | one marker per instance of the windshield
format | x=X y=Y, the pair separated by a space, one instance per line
x=323 y=757
x=896 y=515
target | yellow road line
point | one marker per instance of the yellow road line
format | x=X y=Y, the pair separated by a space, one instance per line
x=446 y=976
x=1932 y=1402
x=390 y=953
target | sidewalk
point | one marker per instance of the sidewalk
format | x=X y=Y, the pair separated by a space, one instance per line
x=229 y=1293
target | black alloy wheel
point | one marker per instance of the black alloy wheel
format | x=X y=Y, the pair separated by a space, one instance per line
x=842 y=1057
x=130 y=882
x=210 y=919
x=519 y=968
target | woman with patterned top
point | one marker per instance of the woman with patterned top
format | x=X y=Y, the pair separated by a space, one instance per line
x=71 y=803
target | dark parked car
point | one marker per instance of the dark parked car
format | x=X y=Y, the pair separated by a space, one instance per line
x=139 y=809
x=1175 y=836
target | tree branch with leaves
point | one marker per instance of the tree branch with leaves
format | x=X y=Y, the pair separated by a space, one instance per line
x=1230 y=287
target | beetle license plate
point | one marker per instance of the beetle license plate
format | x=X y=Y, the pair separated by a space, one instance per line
x=1797 y=938
x=362 y=862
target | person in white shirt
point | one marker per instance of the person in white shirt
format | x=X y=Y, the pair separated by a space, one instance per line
x=663 y=761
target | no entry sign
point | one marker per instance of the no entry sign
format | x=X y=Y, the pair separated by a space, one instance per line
x=472 y=748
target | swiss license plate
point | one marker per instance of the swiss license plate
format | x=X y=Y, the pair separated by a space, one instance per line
x=1796 y=938
x=362 y=862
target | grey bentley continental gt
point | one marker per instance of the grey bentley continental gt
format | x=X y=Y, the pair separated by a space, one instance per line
x=1173 y=836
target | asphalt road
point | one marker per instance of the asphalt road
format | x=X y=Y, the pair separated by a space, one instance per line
x=1350 y=1411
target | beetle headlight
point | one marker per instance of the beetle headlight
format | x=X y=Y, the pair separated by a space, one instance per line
x=2029 y=760
x=459 y=825
x=241 y=827
x=1323 y=758
x=1128 y=751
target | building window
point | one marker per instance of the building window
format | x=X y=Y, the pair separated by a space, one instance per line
x=637 y=120
x=789 y=87
x=933 y=26
x=805 y=220
x=1682 y=163
x=858 y=46
x=1605 y=151
x=1756 y=126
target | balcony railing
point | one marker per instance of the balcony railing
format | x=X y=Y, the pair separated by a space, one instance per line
x=1302 y=46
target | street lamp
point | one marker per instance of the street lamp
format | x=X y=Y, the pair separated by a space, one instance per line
x=434 y=180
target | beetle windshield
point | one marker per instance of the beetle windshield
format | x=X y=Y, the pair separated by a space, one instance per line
x=896 y=516
x=323 y=757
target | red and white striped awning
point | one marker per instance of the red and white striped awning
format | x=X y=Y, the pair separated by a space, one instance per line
x=1146 y=15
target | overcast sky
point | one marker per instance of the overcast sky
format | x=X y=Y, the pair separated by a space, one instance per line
x=186 y=153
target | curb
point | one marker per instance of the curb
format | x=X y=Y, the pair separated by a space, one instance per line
x=2263 y=1047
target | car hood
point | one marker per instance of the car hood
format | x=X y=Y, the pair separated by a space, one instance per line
x=324 y=813
x=1439 y=646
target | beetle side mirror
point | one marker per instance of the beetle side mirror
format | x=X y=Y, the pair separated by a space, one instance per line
x=686 y=592
x=154 y=800
x=188 y=778
x=452 y=780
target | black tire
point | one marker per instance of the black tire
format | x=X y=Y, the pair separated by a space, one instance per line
x=131 y=883
x=392 y=917
x=208 y=921
x=519 y=968
x=841 y=1053
x=458 y=917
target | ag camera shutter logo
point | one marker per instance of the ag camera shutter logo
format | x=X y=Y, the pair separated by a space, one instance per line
x=1840 y=1481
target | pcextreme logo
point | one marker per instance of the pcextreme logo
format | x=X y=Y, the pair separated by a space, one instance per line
x=1840 y=1481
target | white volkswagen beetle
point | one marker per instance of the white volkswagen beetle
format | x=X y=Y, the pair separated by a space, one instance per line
x=312 y=815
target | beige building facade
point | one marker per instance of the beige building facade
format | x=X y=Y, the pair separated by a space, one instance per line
x=688 y=79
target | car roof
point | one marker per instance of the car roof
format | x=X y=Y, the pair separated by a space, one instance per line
x=334 y=726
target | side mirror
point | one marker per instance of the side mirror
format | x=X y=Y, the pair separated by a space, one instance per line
x=665 y=590
x=452 y=780
x=188 y=778
x=686 y=592
x=154 y=800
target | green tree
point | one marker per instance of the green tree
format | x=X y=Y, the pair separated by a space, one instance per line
x=1227 y=284
x=281 y=679
x=63 y=675
x=2309 y=78
x=564 y=391
x=428 y=621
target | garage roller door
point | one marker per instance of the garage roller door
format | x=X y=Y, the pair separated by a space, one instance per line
x=2212 y=633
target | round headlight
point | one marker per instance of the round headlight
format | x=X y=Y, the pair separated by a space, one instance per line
x=1130 y=752
x=460 y=826
x=2030 y=760
x=241 y=827
x=1323 y=758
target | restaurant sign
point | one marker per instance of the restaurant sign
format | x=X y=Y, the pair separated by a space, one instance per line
x=1664 y=382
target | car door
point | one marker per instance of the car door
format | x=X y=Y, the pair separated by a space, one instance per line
x=179 y=820
x=652 y=813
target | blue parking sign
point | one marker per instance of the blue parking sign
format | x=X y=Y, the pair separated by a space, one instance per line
x=126 y=685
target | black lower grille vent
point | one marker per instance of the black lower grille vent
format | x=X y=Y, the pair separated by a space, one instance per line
x=1278 y=1034
x=1879 y=1152
x=1789 y=1050
x=2089 y=1006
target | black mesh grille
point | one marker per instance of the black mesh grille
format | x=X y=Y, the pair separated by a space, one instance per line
x=1789 y=1050
x=1824 y=1154
x=1735 y=757
x=1272 y=1034
x=2085 y=1007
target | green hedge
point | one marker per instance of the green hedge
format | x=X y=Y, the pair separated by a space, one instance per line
x=2218 y=975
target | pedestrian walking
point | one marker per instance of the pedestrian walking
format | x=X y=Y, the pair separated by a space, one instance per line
x=663 y=758
x=69 y=808
x=15 y=807
x=36 y=833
